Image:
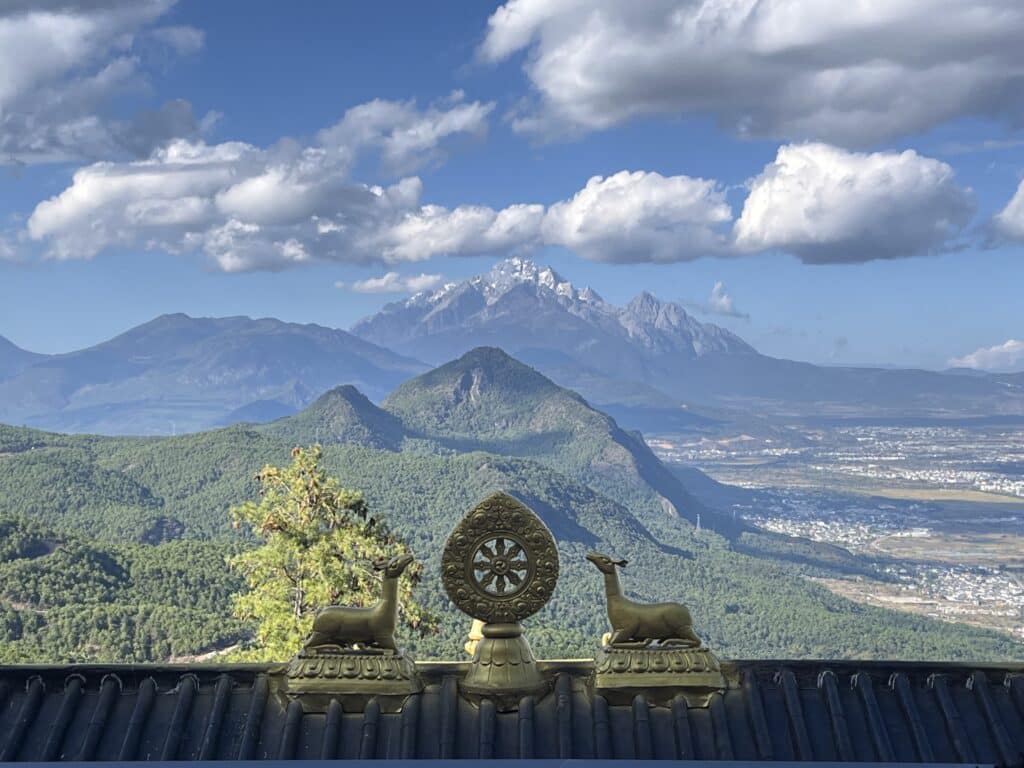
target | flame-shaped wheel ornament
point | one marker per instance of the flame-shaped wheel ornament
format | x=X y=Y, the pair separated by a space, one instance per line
x=500 y=563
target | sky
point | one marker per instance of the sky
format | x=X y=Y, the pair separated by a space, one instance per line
x=838 y=183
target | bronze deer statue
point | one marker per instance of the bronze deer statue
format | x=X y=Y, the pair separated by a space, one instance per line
x=639 y=625
x=370 y=628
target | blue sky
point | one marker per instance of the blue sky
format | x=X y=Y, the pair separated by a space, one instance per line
x=245 y=158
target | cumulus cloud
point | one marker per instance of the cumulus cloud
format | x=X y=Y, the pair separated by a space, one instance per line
x=407 y=137
x=641 y=216
x=847 y=73
x=1009 y=222
x=721 y=303
x=252 y=208
x=827 y=205
x=468 y=229
x=626 y=217
x=392 y=282
x=1008 y=356
x=64 y=62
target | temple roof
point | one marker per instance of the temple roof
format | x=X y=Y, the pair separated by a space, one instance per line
x=769 y=710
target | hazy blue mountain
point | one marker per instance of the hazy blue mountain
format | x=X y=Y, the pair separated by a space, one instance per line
x=652 y=353
x=518 y=305
x=179 y=373
x=14 y=359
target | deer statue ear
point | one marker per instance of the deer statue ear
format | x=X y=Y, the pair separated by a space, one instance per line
x=620 y=563
x=380 y=563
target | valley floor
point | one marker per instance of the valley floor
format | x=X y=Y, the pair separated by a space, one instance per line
x=938 y=512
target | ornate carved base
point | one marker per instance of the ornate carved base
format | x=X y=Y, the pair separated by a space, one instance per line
x=659 y=673
x=317 y=675
x=503 y=668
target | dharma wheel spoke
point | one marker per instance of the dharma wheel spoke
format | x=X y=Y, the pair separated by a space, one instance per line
x=500 y=566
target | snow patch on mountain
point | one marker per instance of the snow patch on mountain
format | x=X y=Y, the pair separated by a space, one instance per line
x=646 y=322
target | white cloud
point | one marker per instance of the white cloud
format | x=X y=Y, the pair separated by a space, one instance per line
x=640 y=216
x=61 y=66
x=468 y=229
x=252 y=208
x=1009 y=222
x=627 y=217
x=721 y=303
x=827 y=205
x=392 y=282
x=1008 y=356
x=183 y=39
x=408 y=138
x=847 y=73
x=7 y=252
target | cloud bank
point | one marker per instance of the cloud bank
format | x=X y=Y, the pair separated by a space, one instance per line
x=250 y=208
x=845 y=73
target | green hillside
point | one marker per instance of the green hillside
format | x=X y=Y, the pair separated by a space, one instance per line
x=113 y=549
x=342 y=415
x=487 y=400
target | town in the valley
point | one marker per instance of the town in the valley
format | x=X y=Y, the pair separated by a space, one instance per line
x=935 y=512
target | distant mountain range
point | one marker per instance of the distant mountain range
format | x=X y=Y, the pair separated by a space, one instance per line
x=14 y=359
x=652 y=353
x=649 y=363
x=435 y=446
x=179 y=373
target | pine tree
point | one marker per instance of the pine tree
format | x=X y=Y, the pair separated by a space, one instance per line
x=319 y=542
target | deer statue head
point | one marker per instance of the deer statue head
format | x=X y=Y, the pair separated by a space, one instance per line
x=604 y=563
x=393 y=567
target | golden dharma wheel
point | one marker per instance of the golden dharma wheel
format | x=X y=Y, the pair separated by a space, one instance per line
x=500 y=564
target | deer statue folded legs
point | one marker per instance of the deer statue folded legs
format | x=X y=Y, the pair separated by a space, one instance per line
x=637 y=625
x=371 y=628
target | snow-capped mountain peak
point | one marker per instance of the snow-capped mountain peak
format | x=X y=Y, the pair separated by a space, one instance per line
x=517 y=299
x=517 y=271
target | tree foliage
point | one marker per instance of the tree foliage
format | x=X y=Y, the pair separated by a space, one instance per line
x=319 y=543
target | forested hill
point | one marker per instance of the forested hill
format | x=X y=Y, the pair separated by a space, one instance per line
x=487 y=400
x=113 y=549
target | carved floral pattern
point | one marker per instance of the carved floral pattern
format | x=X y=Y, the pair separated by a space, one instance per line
x=666 y=660
x=351 y=666
x=527 y=561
